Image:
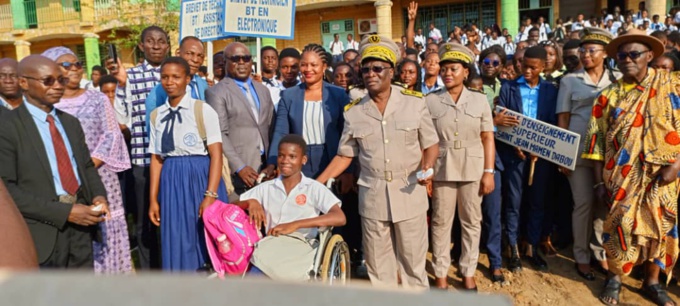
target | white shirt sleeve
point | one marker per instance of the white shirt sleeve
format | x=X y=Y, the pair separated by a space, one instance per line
x=212 y=125
x=324 y=198
x=255 y=193
x=152 y=137
x=119 y=105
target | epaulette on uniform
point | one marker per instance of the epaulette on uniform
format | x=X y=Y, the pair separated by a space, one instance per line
x=434 y=91
x=350 y=104
x=414 y=93
x=350 y=87
x=400 y=84
x=476 y=90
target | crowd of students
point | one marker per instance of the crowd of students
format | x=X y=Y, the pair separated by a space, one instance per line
x=376 y=116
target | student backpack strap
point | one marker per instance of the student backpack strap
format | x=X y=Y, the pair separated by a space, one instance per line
x=200 y=124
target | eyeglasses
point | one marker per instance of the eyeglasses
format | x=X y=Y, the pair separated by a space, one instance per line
x=488 y=62
x=633 y=55
x=68 y=65
x=590 y=51
x=11 y=76
x=376 y=69
x=50 y=80
x=238 y=58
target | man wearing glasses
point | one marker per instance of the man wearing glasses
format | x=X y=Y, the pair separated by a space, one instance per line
x=574 y=108
x=391 y=133
x=48 y=170
x=633 y=143
x=245 y=111
x=10 y=92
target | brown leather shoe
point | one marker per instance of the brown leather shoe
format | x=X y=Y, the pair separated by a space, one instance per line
x=547 y=248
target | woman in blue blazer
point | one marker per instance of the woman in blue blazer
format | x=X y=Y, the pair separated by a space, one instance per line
x=313 y=109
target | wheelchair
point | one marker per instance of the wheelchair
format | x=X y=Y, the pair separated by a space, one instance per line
x=332 y=259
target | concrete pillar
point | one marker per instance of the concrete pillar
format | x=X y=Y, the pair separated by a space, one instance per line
x=19 y=13
x=91 y=51
x=383 y=13
x=23 y=49
x=656 y=7
x=510 y=16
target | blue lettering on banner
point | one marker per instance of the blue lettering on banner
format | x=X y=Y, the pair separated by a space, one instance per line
x=544 y=140
x=262 y=25
x=205 y=19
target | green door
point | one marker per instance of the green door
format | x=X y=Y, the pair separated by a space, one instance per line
x=330 y=28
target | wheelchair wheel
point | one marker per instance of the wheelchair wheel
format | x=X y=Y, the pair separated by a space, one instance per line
x=335 y=267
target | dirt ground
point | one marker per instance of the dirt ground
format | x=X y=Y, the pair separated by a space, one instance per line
x=559 y=285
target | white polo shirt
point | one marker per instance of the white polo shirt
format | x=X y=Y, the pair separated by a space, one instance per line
x=185 y=133
x=307 y=200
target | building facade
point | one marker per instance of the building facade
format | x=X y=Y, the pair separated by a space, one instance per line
x=32 y=26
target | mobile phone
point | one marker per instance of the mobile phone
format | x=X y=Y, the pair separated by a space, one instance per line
x=113 y=54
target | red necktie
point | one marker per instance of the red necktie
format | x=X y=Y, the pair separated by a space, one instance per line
x=68 y=178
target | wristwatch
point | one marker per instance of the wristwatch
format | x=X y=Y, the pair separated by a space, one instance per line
x=492 y=171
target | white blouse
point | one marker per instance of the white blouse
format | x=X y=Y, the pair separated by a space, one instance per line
x=313 y=130
x=185 y=131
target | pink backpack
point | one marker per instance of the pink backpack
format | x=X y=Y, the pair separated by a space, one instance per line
x=230 y=238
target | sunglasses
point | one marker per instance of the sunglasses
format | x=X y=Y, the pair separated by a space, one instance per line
x=633 y=55
x=50 y=80
x=376 y=69
x=238 y=58
x=488 y=62
x=590 y=51
x=68 y=65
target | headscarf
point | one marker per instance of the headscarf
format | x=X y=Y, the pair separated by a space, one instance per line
x=56 y=52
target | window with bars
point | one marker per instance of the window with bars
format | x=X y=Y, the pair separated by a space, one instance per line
x=325 y=28
x=524 y=4
x=447 y=17
x=349 y=25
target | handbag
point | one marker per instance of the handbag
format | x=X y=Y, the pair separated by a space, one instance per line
x=285 y=257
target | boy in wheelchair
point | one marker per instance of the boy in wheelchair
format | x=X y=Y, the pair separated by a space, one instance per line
x=291 y=207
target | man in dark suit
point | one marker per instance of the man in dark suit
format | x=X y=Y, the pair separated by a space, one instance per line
x=48 y=170
x=533 y=97
x=245 y=111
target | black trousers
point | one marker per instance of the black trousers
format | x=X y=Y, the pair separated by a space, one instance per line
x=147 y=238
x=72 y=250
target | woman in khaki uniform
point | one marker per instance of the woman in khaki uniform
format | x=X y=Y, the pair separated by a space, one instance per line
x=464 y=171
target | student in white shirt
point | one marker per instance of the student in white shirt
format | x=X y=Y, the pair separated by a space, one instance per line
x=644 y=17
x=435 y=34
x=351 y=43
x=185 y=173
x=544 y=29
x=336 y=48
x=578 y=24
x=656 y=25
x=509 y=46
x=292 y=203
x=419 y=38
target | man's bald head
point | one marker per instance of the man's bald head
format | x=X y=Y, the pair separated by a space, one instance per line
x=9 y=81
x=238 y=61
x=35 y=71
x=4 y=62
x=229 y=49
x=32 y=64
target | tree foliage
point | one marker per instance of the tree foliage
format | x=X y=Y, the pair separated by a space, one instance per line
x=135 y=16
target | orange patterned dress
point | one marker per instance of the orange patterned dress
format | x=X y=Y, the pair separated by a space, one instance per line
x=633 y=130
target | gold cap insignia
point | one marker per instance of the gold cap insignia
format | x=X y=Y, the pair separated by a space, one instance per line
x=374 y=39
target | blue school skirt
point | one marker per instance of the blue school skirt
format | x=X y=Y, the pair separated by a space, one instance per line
x=184 y=180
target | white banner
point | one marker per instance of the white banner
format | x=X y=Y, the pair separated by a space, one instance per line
x=202 y=18
x=552 y=143
x=260 y=18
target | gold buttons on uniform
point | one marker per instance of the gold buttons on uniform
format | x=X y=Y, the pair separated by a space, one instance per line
x=384 y=122
x=387 y=141
x=455 y=134
x=387 y=161
x=456 y=120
